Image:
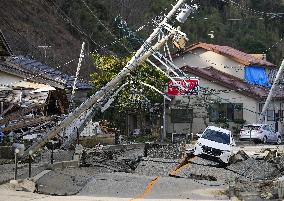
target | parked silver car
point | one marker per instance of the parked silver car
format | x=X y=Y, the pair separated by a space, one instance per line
x=260 y=132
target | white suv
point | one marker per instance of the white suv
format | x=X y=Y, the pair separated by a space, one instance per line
x=215 y=142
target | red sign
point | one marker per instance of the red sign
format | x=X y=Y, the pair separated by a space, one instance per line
x=183 y=87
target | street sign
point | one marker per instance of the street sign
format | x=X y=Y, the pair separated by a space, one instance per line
x=183 y=87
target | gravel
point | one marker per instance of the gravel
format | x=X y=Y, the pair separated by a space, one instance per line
x=167 y=151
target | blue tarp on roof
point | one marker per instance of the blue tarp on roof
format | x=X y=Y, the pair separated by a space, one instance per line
x=256 y=75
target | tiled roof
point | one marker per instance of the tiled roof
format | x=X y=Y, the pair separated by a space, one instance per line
x=33 y=69
x=239 y=56
x=233 y=83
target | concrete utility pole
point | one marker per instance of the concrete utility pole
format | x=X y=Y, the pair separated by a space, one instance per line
x=163 y=136
x=270 y=95
x=141 y=55
x=77 y=74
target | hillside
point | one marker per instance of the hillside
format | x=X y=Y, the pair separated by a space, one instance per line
x=28 y=24
x=64 y=24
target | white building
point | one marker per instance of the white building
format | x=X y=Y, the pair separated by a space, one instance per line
x=233 y=88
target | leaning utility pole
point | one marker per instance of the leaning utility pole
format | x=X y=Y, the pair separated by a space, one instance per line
x=263 y=113
x=76 y=76
x=141 y=55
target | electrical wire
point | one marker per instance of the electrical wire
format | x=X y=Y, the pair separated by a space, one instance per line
x=249 y=110
x=261 y=13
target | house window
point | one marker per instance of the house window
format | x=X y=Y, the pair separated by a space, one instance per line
x=270 y=115
x=226 y=111
x=181 y=115
x=281 y=112
x=270 y=112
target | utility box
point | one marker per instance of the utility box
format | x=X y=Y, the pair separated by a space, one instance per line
x=179 y=138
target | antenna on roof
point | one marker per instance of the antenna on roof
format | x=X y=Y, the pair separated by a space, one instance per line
x=45 y=47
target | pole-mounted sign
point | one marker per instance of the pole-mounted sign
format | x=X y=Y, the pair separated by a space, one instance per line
x=189 y=87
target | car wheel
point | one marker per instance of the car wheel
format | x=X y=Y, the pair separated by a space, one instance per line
x=278 y=140
x=264 y=140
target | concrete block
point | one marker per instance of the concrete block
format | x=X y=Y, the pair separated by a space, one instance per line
x=23 y=185
x=14 y=182
x=28 y=185
x=280 y=186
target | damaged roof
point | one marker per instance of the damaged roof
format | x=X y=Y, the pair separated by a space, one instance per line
x=239 y=56
x=34 y=70
x=233 y=83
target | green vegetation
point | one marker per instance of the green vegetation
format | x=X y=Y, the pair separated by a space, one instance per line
x=134 y=96
x=232 y=24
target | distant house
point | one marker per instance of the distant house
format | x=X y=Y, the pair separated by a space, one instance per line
x=26 y=82
x=233 y=89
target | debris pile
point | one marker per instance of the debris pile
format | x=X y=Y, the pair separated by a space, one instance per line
x=166 y=151
x=121 y=160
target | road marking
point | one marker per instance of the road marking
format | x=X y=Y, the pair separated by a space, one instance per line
x=147 y=190
x=182 y=165
x=185 y=162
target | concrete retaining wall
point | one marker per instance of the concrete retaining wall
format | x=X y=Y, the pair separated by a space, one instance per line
x=63 y=164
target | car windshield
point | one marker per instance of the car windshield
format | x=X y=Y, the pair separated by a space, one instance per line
x=251 y=127
x=216 y=136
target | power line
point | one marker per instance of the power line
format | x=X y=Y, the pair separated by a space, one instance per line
x=67 y=19
x=160 y=55
x=123 y=44
x=106 y=28
x=251 y=10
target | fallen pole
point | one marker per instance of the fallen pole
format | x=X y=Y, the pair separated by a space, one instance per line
x=141 y=55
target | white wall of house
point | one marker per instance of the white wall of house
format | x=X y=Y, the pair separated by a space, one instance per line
x=250 y=110
x=205 y=58
x=8 y=79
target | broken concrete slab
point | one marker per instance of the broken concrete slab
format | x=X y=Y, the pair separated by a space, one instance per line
x=59 y=183
x=239 y=156
x=63 y=165
x=23 y=185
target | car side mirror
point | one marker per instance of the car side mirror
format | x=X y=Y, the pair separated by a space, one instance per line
x=198 y=135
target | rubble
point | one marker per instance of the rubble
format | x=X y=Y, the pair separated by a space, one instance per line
x=23 y=185
x=56 y=183
x=121 y=160
x=239 y=156
x=248 y=177
x=166 y=151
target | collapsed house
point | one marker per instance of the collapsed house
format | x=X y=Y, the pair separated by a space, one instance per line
x=32 y=94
